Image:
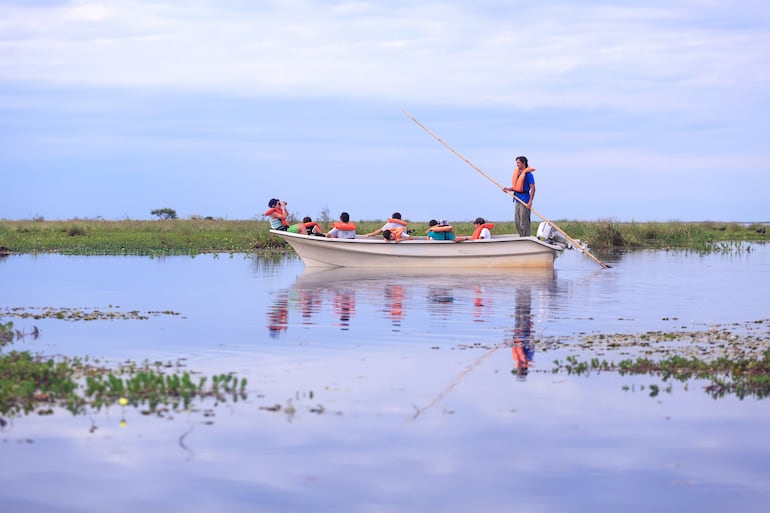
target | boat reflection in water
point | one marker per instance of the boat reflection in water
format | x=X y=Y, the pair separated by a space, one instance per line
x=425 y=301
x=278 y=314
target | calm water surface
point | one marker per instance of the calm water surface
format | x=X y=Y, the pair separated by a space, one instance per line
x=398 y=392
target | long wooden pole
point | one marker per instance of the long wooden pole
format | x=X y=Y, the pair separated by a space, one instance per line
x=541 y=216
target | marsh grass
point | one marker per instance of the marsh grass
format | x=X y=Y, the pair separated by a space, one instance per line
x=704 y=236
x=199 y=235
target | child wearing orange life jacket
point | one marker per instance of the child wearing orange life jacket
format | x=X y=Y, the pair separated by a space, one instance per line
x=312 y=227
x=481 y=231
x=394 y=222
x=343 y=229
x=279 y=217
x=395 y=235
x=440 y=230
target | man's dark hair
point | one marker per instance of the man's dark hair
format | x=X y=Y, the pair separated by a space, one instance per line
x=396 y=215
x=345 y=217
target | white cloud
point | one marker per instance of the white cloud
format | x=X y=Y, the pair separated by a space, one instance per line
x=551 y=54
x=309 y=88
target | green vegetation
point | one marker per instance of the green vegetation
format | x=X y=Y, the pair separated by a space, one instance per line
x=742 y=376
x=169 y=237
x=207 y=235
x=39 y=383
x=704 y=236
x=164 y=213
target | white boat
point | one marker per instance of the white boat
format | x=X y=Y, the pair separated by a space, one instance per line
x=499 y=252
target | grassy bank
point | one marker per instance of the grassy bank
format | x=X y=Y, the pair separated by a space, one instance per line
x=194 y=236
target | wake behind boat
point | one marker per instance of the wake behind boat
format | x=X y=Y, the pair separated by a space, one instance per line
x=499 y=252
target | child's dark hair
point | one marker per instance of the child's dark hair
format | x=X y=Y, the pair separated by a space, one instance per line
x=387 y=234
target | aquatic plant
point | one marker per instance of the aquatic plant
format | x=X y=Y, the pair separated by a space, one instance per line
x=6 y=333
x=29 y=383
x=742 y=376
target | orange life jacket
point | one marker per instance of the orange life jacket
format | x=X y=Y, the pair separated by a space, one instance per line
x=312 y=224
x=397 y=221
x=519 y=357
x=270 y=211
x=477 y=232
x=347 y=227
x=437 y=228
x=519 y=176
x=396 y=232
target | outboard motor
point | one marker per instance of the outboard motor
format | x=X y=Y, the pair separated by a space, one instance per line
x=548 y=233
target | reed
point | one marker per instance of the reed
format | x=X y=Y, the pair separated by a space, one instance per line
x=199 y=235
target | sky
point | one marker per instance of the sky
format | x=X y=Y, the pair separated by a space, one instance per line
x=629 y=110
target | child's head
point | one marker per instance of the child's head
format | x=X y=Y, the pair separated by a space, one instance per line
x=387 y=235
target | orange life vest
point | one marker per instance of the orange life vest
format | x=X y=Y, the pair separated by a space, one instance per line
x=346 y=227
x=519 y=176
x=437 y=228
x=519 y=357
x=396 y=232
x=397 y=221
x=477 y=232
x=270 y=211
x=312 y=224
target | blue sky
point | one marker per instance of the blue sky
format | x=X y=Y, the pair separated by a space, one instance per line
x=632 y=111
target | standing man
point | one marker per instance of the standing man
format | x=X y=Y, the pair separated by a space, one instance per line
x=523 y=188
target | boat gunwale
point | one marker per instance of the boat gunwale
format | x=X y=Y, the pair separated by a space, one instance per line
x=362 y=239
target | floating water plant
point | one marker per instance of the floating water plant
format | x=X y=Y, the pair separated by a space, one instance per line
x=740 y=376
x=30 y=382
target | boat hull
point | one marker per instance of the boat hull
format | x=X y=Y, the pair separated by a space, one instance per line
x=500 y=252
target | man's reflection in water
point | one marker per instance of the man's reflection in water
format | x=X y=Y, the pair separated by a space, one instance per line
x=344 y=307
x=394 y=304
x=523 y=348
x=278 y=315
